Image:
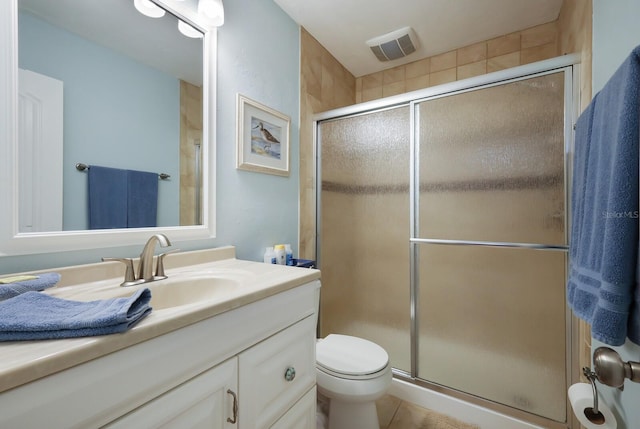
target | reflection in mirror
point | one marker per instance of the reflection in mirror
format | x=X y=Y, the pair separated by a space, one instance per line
x=104 y=85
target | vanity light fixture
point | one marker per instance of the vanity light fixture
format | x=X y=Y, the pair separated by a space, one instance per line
x=149 y=8
x=212 y=10
x=188 y=30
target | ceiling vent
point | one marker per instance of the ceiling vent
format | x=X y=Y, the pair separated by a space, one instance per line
x=394 y=45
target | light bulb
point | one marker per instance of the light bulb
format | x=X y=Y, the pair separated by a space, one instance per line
x=212 y=10
x=188 y=30
x=149 y=8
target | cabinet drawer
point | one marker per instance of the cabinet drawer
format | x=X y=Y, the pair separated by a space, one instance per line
x=265 y=392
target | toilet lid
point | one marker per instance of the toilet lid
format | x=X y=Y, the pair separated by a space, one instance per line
x=348 y=355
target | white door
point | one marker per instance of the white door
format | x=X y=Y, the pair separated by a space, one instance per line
x=40 y=136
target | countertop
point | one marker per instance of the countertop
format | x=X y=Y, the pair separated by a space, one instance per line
x=26 y=361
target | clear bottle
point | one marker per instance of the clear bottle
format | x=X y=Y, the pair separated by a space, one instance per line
x=288 y=254
x=269 y=256
x=281 y=256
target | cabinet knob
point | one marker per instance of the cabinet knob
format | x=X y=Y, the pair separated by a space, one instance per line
x=290 y=373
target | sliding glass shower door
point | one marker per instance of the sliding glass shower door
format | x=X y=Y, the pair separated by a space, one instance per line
x=442 y=237
x=364 y=223
x=491 y=218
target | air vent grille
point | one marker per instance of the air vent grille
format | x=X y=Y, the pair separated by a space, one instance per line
x=394 y=45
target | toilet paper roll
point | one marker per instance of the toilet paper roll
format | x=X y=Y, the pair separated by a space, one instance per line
x=581 y=399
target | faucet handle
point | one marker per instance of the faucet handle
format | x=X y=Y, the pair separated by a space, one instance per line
x=129 y=276
x=160 y=264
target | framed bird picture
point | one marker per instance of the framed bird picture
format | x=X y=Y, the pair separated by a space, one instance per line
x=263 y=138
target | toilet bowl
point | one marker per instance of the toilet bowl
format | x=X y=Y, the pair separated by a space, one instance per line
x=352 y=373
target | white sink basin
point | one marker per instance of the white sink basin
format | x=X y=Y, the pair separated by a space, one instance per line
x=190 y=290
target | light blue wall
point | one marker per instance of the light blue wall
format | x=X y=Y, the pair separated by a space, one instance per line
x=616 y=31
x=117 y=113
x=255 y=210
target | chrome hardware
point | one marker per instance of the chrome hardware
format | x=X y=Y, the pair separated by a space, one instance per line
x=235 y=407
x=129 y=275
x=593 y=414
x=611 y=370
x=160 y=264
x=145 y=265
x=290 y=373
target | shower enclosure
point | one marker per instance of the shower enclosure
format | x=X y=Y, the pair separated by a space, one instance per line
x=442 y=233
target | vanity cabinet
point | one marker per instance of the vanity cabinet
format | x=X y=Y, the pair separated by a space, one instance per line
x=261 y=355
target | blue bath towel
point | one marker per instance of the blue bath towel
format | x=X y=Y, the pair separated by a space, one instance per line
x=38 y=316
x=107 y=197
x=43 y=282
x=142 y=199
x=603 y=253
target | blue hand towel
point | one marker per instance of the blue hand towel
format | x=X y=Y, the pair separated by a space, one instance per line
x=38 y=316
x=43 y=282
x=107 y=197
x=604 y=234
x=142 y=199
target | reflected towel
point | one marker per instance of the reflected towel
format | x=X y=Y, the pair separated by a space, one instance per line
x=142 y=199
x=107 y=197
x=41 y=282
x=604 y=233
x=38 y=316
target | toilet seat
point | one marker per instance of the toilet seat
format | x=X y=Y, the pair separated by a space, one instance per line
x=350 y=357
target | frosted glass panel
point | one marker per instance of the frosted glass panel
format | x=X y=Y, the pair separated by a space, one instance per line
x=364 y=254
x=492 y=323
x=492 y=163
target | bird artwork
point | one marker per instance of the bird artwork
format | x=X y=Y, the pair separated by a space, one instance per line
x=268 y=140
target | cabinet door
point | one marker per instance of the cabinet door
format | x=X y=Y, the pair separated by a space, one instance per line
x=302 y=415
x=268 y=387
x=203 y=402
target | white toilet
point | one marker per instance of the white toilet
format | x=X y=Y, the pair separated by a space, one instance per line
x=352 y=373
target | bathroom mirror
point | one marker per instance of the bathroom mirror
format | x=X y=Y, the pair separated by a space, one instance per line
x=108 y=136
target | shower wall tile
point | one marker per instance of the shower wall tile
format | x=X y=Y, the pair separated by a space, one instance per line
x=417 y=82
x=539 y=35
x=472 y=69
x=443 y=76
x=503 y=62
x=538 y=53
x=472 y=53
x=418 y=68
x=324 y=85
x=443 y=61
x=503 y=45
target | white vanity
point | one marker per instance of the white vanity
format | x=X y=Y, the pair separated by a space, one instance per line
x=238 y=354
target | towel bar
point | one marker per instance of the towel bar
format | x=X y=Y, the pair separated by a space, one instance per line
x=82 y=167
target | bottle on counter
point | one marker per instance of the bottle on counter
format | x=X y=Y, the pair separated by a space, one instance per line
x=270 y=256
x=281 y=256
x=288 y=255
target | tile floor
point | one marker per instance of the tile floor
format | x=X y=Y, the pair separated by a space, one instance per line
x=394 y=413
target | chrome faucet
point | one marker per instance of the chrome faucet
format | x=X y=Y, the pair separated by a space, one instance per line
x=145 y=265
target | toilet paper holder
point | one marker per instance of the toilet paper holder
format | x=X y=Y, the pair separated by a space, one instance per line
x=593 y=414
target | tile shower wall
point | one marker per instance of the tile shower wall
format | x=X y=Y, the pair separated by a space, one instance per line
x=522 y=47
x=324 y=85
x=190 y=135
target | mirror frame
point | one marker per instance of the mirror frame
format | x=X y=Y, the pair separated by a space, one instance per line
x=13 y=242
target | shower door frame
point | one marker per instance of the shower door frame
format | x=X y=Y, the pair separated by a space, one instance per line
x=566 y=64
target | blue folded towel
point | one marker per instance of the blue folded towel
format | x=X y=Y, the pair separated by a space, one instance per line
x=604 y=234
x=43 y=282
x=38 y=316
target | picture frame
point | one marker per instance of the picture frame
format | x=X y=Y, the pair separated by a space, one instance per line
x=262 y=138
